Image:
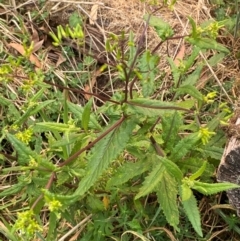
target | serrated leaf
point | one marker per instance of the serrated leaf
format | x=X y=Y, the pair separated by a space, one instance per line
x=191 y=209
x=162 y=28
x=167 y=196
x=62 y=177
x=53 y=126
x=64 y=199
x=104 y=152
x=184 y=146
x=51 y=235
x=151 y=181
x=46 y=163
x=147 y=65
x=193 y=77
x=24 y=152
x=172 y=169
x=191 y=90
x=78 y=112
x=151 y=108
x=188 y=63
x=148 y=85
x=171 y=122
x=4 y=101
x=127 y=171
x=175 y=71
x=214 y=152
x=16 y=188
x=156 y=21
x=207 y=43
x=86 y=114
x=216 y=58
x=212 y=188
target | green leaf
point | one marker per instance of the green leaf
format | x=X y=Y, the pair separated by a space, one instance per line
x=162 y=28
x=216 y=58
x=213 y=152
x=38 y=95
x=151 y=108
x=186 y=192
x=6 y=231
x=63 y=177
x=175 y=71
x=191 y=90
x=194 y=32
x=32 y=110
x=214 y=122
x=53 y=126
x=191 y=209
x=192 y=164
x=172 y=169
x=188 y=63
x=184 y=146
x=104 y=152
x=52 y=227
x=127 y=171
x=207 y=43
x=16 y=188
x=171 y=123
x=152 y=180
x=75 y=19
x=68 y=139
x=147 y=66
x=132 y=48
x=95 y=203
x=192 y=78
x=4 y=101
x=78 y=112
x=86 y=114
x=199 y=172
x=187 y=104
x=167 y=196
x=212 y=188
x=24 y=152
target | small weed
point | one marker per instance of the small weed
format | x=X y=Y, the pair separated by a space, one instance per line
x=124 y=164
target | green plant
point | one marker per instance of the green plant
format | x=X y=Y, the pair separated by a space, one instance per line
x=160 y=148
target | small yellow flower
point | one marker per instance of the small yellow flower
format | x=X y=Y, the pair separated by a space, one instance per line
x=27 y=224
x=32 y=162
x=25 y=136
x=205 y=135
x=54 y=205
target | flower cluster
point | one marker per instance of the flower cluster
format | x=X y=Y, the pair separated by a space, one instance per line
x=27 y=224
x=205 y=135
x=24 y=136
x=54 y=205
